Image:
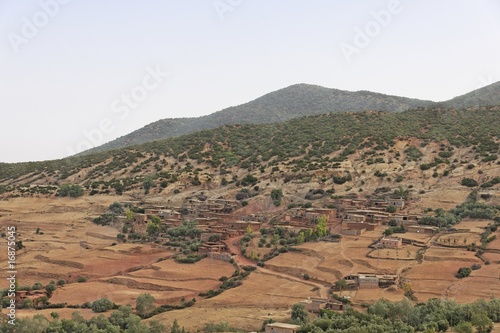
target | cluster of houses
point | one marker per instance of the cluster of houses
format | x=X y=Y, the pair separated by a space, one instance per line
x=360 y=215
x=355 y=216
x=213 y=216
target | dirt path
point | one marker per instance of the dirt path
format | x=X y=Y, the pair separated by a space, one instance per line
x=234 y=249
x=342 y=253
x=241 y=260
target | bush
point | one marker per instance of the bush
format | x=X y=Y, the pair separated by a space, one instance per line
x=463 y=272
x=145 y=305
x=82 y=279
x=102 y=305
x=342 y=180
x=50 y=288
x=391 y=209
x=72 y=191
x=276 y=196
x=469 y=182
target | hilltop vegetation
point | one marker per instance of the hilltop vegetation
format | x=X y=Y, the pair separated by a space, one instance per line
x=291 y=102
x=300 y=146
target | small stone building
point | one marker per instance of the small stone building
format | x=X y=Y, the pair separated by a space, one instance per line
x=281 y=328
x=391 y=242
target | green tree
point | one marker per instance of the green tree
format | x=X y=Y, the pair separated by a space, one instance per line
x=391 y=209
x=341 y=285
x=175 y=327
x=50 y=288
x=153 y=228
x=322 y=227
x=276 y=196
x=156 y=327
x=401 y=193
x=469 y=182
x=129 y=215
x=301 y=238
x=482 y=323
x=72 y=191
x=463 y=327
x=299 y=314
x=147 y=184
x=102 y=305
x=144 y=305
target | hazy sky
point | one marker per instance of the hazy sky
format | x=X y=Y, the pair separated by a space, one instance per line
x=80 y=72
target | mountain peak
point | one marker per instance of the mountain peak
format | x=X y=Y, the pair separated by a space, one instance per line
x=297 y=100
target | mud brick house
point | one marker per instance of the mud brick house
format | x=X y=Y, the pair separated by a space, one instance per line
x=153 y=210
x=281 y=328
x=140 y=218
x=352 y=232
x=422 y=229
x=334 y=305
x=212 y=247
x=243 y=225
x=169 y=214
x=220 y=216
x=391 y=242
x=222 y=205
x=224 y=256
x=348 y=203
x=378 y=204
x=367 y=281
x=398 y=203
x=315 y=305
x=387 y=280
x=361 y=225
x=253 y=218
x=371 y=280
x=372 y=216
x=406 y=220
x=351 y=217
x=210 y=221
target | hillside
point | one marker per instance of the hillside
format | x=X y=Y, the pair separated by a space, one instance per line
x=489 y=95
x=443 y=162
x=282 y=105
x=369 y=149
x=293 y=102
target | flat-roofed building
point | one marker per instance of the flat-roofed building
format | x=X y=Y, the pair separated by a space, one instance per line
x=281 y=328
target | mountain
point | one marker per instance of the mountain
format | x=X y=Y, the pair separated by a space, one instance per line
x=292 y=102
x=489 y=95
x=370 y=146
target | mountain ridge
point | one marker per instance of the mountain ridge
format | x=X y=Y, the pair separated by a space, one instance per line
x=294 y=101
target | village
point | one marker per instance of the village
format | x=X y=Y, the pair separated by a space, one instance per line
x=217 y=219
x=220 y=223
x=366 y=252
